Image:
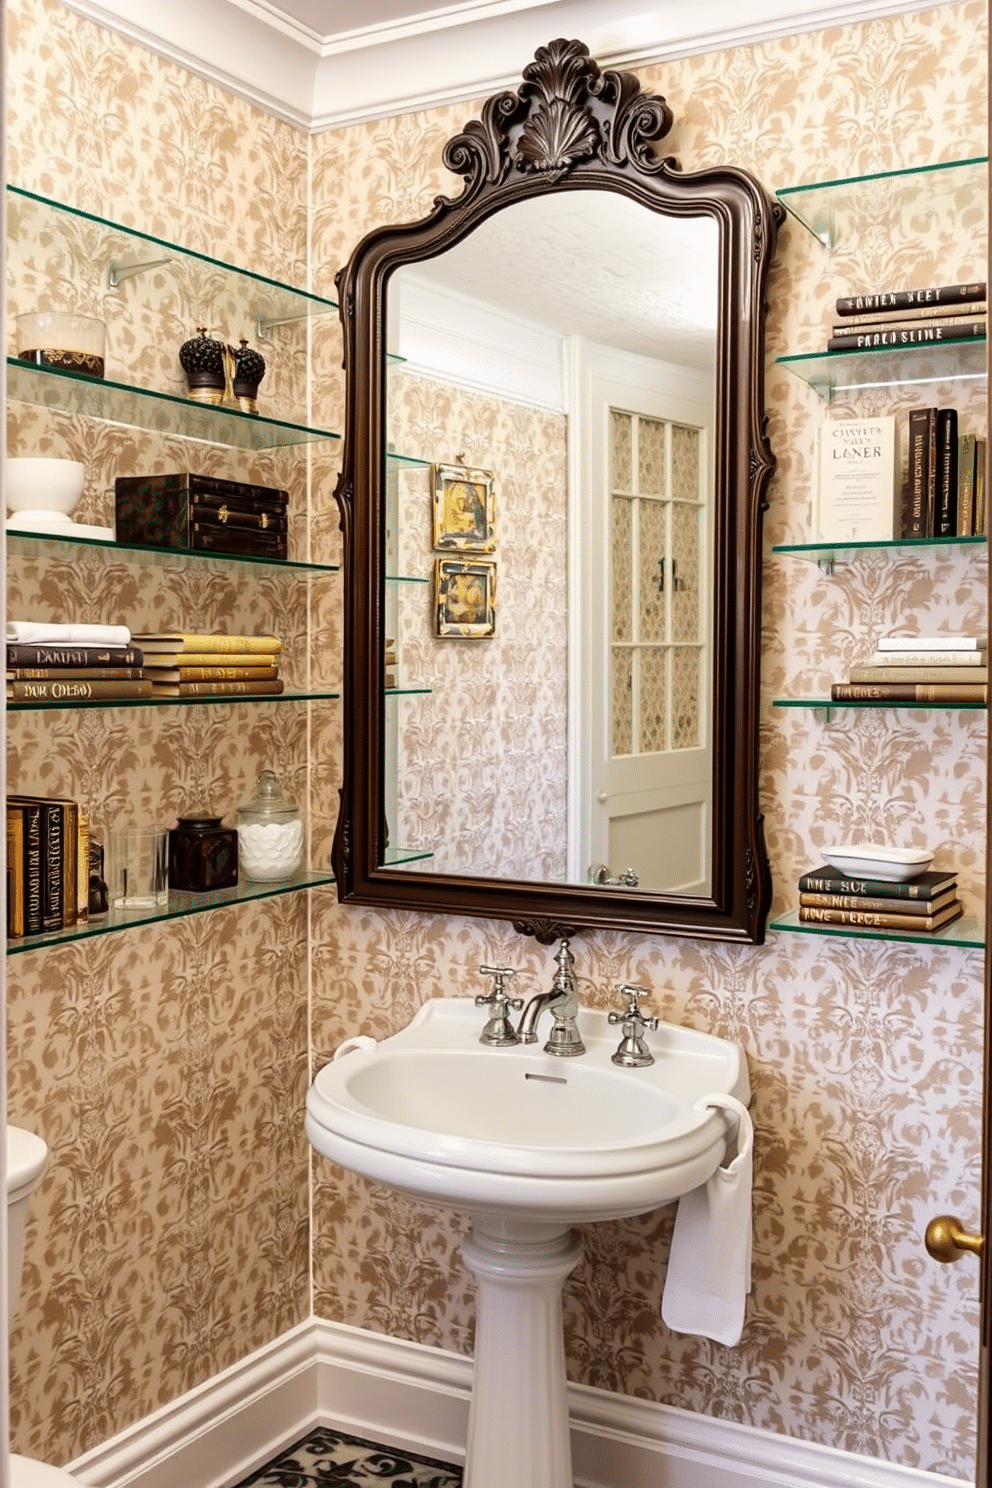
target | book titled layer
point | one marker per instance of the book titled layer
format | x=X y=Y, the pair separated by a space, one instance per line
x=218 y=673
x=920 y=333
x=876 y=904
x=905 y=299
x=873 y=921
x=909 y=692
x=830 y=880
x=918 y=672
x=76 y=692
x=179 y=642
x=857 y=480
x=218 y=689
x=22 y=653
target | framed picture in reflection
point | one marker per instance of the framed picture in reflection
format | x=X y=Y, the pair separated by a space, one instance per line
x=465 y=598
x=464 y=508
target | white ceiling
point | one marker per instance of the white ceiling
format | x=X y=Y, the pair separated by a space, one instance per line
x=324 y=63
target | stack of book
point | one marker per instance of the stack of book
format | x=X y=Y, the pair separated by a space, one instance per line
x=925 y=903
x=920 y=669
x=59 y=671
x=945 y=476
x=48 y=856
x=188 y=664
x=909 y=317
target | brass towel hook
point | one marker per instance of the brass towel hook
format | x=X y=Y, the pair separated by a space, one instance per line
x=947 y=1242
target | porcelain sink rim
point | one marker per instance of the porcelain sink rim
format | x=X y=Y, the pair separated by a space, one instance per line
x=413 y=1159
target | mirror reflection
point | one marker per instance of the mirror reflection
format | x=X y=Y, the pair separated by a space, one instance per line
x=549 y=591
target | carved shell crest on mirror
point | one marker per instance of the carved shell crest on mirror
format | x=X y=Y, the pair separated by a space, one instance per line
x=566 y=191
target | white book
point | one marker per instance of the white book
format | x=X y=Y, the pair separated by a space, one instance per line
x=932 y=643
x=923 y=657
x=857 y=480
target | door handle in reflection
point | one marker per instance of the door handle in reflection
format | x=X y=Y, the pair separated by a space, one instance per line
x=947 y=1242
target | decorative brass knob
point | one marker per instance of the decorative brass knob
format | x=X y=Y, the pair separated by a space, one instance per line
x=947 y=1242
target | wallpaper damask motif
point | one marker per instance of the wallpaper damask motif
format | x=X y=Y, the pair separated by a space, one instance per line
x=169 y=1236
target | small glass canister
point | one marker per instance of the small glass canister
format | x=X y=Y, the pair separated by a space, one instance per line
x=202 y=854
x=270 y=832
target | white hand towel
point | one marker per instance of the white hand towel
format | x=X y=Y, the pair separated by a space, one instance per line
x=47 y=633
x=709 y=1269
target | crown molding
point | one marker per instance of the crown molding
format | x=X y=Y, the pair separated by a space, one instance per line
x=442 y=56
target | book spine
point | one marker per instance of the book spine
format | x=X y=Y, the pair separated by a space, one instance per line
x=214 y=644
x=15 y=870
x=905 y=299
x=873 y=904
x=910 y=315
x=876 y=921
x=23 y=654
x=950 y=659
x=923 y=334
x=979 y=485
x=966 y=485
x=217 y=674
x=946 y=498
x=877 y=887
x=33 y=900
x=917 y=471
x=53 y=864
x=83 y=867
x=909 y=692
x=228 y=689
x=75 y=674
x=931 y=643
x=918 y=673
x=70 y=859
x=74 y=692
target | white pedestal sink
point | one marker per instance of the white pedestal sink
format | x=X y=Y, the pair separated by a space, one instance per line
x=526 y=1145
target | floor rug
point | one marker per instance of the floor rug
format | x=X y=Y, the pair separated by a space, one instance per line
x=329 y=1459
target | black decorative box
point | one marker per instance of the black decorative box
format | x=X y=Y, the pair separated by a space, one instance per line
x=185 y=510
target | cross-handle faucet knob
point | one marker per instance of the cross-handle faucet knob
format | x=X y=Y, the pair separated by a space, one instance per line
x=499 y=1031
x=633 y=1052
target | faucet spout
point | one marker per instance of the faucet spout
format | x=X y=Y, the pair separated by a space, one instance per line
x=563 y=1004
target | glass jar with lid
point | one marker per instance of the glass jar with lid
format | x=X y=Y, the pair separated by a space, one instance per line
x=270 y=832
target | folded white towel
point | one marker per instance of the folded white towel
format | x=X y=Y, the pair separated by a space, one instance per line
x=47 y=633
x=709 y=1269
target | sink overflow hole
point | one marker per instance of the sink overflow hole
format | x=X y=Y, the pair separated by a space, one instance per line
x=547 y=1079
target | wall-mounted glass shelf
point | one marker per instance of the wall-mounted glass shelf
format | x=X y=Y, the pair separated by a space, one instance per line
x=828 y=704
x=22 y=706
x=830 y=372
x=220 y=295
x=820 y=552
x=142 y=408
x=396 y=857
x=840 y=211
x=180 y=905
x=405 y=579
x=39 y=545
x=967 y=932
x=412 y=462
x=408 y=691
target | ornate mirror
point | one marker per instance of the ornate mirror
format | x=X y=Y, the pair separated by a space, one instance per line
x=554 y=472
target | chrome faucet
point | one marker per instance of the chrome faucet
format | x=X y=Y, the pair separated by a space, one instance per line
x=563 y=1004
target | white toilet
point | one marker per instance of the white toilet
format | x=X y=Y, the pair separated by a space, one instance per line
x=26 y=1155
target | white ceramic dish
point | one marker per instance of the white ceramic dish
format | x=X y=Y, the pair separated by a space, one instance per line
x=873 y=860
x=43 y=486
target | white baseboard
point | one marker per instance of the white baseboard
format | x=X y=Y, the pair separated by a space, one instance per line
x=408 y=1396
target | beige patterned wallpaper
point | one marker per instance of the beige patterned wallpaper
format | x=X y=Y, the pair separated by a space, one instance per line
x=159 y=1241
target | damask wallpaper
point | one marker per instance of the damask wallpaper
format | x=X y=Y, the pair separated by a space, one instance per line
x=170 y=1235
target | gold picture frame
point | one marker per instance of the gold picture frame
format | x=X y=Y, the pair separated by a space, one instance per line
x=465 y=598
x=464 y=504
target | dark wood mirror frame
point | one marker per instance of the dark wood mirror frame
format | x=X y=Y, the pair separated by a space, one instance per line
x=570 y=126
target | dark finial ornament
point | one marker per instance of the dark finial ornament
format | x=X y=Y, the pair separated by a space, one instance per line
x=565 y=113
x=202 y=359
x=249 y=369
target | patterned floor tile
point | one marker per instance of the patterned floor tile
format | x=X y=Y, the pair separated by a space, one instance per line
x=329 y=1459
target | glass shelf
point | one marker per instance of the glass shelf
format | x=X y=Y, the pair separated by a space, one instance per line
x=828 y=372
x=967 y=932
x=829 y=552
x=838 y=211
x=142 y=408
x=411 y=462
x=395 y=857
x=828 y=704
x=404 y=579
x=408 y=691
x=20 y=706
x=37 y=545
x=238 y=300
x=180 y=905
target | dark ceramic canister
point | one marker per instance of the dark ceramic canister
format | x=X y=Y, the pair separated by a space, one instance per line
x=249 y=369
x=204 y=360
x=202 y=854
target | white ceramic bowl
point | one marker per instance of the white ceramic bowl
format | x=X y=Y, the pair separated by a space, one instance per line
x=874 y=860
x=34 y=484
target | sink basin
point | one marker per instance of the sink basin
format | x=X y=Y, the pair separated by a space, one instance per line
x=433 y=1113
x=526 y=1144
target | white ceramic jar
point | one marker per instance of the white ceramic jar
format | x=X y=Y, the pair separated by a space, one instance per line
x=270 y=833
